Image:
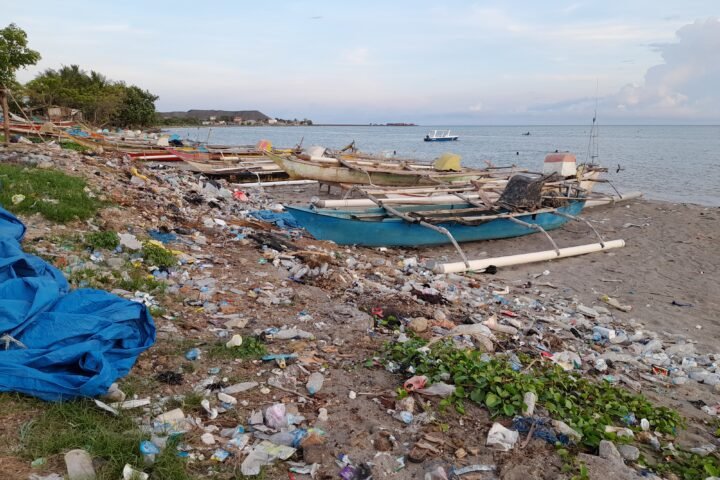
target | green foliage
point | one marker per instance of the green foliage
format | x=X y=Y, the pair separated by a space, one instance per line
x=177 y=121
x=689 y=466
x=106 y=239
x=158 y=256
x=585 y=405
x=252 y=347
x=137 y=108
x=53 y=194
x=114 y=439
x=14 y=53
x=133 y=279
x=102 y=101
x=74 y=146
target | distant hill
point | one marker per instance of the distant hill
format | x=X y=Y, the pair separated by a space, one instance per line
x=206 y=114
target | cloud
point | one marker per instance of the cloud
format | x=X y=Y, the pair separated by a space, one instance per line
x=683 y=87
x=687 y=82
x=478 y=107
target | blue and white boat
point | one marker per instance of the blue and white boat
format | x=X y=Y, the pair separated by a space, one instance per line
x=378 y=227
x=440 y=136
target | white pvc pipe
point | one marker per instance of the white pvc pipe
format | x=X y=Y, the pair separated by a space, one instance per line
x=613 y=199
x=523 y=258
x=278 y=183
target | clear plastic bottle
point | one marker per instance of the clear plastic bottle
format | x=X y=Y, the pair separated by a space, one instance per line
x=314 y=383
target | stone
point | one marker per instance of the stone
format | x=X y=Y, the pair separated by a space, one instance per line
x=382 y=443
x=609 y=451
x=604 y=468
x=79 y=465
x=418 y=325
x=417 y=455
x=629 y=452
x=440 y=316
x=315 y=454
x=587 y=311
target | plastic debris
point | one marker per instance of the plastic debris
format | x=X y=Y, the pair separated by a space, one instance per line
x=265 y=453
x=501 y=438
x=129 y=473
x=315 y=383
x=79 y=465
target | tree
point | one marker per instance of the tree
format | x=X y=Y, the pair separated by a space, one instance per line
x=101 y=100
x=14 y=53
x=137 y=108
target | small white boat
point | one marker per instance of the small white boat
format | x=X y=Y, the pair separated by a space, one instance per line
x=440 y=136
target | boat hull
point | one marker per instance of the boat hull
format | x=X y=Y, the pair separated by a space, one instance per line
x=339 y=227
x=333 y=173
x=441 y=139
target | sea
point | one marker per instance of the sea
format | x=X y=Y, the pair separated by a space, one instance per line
x=672 y=163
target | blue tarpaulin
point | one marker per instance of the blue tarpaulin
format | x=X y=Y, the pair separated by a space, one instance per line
x=58 y=344
x=282 y=220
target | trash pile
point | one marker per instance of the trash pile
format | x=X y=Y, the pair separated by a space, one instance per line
x=266 y=338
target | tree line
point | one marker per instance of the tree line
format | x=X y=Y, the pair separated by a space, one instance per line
x=102 y=101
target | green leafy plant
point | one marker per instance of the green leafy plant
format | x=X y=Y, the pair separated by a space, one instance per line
x=158 y=256
x=585 y=405
x=252 y=347
x=106 y=239
x=74 y=146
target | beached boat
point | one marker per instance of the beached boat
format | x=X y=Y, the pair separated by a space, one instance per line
x=483 y=210
x=369 y=172
x=440 y=136
x=376 y=227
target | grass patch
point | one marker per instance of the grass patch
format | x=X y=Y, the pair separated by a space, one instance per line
x=114 y=439
x=107 y=239
x=134 y=279
x=158 y=256
x=55 y=195
x=585 y=405
x=69 y=145
x=252 y=347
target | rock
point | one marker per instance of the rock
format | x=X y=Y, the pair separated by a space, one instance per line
x=417 y=454
x=587 y=311
x=129 y=241
x=315 y=454
x=629 y=452
x=382 y=443
x=418 y=325
x=79 y=465
x=440 y=316
x=609 y=451
x=604 y=468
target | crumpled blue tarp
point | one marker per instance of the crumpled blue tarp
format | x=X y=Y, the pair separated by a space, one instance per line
x=282 y=220
x=71 y=343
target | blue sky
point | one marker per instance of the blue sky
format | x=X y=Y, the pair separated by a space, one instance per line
x=451 y=62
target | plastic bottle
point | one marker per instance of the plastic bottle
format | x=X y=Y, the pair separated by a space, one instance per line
x=314 y=383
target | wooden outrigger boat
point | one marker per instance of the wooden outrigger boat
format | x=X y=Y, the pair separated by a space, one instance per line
x=382 y=227
x=520 y=205
x=360 y=171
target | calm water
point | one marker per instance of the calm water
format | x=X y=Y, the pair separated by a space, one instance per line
x=673 y=163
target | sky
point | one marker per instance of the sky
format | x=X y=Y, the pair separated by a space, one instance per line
x=451 y=62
